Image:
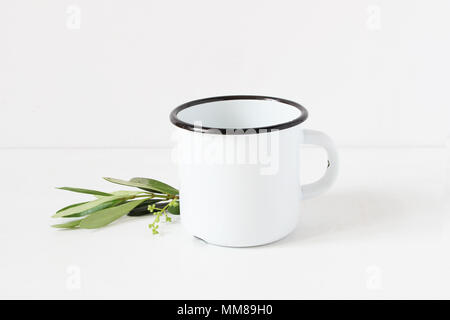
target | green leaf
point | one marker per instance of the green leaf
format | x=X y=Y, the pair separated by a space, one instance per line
x=71 y=206
x=174 y=209
x=156 y=185
x=87 y=191
x=127 y=193
x=83 y=208
x=69 y=225
x=102 y=206
x=123 y=193
x=131 y=184
x=104 y=217
x=142 y=209
x=150 y=185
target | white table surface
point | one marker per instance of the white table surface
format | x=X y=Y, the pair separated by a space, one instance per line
x=383 y=231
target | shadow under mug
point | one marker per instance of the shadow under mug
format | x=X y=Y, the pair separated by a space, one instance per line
x=238 y=159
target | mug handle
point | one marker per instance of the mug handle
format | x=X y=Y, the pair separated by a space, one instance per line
x=321 y=139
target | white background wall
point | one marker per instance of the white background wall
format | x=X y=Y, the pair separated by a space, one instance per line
x=105 y=73
x=91 y=73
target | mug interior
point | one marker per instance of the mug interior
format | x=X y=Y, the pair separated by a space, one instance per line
x=239 y=112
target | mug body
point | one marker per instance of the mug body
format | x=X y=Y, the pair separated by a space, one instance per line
x=239 y=169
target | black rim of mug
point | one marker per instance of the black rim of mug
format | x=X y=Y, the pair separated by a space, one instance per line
x=191 y=127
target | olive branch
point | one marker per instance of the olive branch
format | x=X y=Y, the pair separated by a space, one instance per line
x=154 y=197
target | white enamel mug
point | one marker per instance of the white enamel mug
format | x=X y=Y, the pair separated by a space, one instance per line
x=238 y=160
